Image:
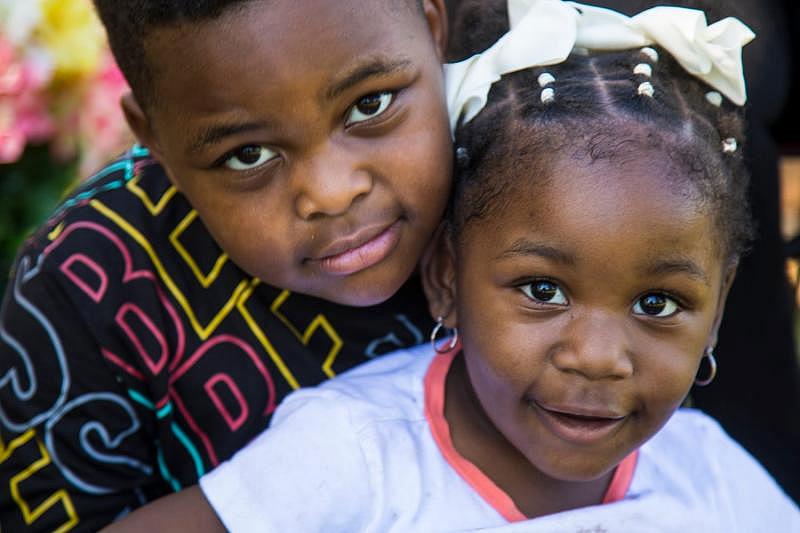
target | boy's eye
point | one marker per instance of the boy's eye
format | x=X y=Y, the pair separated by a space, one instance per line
x=656 y=305
x=249 y=157
x=544 y=291
x=370 y=106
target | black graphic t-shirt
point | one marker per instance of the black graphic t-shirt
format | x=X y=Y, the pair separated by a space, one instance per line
x=135 y=356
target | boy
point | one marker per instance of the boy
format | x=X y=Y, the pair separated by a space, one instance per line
x=149 y=330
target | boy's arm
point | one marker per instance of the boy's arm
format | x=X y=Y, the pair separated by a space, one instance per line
x=187 y=510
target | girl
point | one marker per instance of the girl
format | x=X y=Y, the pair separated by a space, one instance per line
x=758 y=315
x=596 y=223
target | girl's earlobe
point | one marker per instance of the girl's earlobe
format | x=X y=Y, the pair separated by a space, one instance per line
x=438 y=277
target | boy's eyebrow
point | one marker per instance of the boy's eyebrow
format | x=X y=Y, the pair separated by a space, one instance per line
x=374 y=66
x=523 y=247
x=214 y=134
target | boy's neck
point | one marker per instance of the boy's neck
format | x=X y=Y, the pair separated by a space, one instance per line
x=477 y=439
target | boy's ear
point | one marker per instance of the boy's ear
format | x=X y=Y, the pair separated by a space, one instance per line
x=439 y=277
x=139 y=123
x=730 y=274
x=436 y=14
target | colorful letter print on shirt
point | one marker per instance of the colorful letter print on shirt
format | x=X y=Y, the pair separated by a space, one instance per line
x=135 y=356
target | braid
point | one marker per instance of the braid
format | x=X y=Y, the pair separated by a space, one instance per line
x=604 y=106
x=474 y=26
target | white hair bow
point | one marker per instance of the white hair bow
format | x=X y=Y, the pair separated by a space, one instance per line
x=544 y=32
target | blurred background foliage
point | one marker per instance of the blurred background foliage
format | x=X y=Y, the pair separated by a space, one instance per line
x=59 y=113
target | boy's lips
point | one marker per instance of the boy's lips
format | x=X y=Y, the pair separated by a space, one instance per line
x=579 y=424
x=358 y=251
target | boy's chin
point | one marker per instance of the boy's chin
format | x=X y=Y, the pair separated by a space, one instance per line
x=358 y=290
x=362 y=296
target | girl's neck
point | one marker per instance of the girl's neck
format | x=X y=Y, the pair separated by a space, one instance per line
x=476 y=438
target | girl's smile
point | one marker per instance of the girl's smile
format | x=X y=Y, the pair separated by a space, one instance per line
x=582 y=424
x=584 y=307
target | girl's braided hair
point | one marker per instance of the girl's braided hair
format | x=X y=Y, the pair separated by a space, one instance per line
x=605 y=106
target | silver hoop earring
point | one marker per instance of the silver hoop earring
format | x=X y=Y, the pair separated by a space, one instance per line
x=712 y=368
x=435 y=333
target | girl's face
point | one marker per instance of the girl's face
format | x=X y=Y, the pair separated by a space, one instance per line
x=584 y=307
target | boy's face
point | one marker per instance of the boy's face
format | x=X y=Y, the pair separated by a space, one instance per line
x=584 y=309
x=310 y=136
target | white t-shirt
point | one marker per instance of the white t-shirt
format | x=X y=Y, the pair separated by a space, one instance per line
x=370 y=451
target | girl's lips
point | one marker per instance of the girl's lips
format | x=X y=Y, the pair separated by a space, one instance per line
x=576 y=427
x=362 y=256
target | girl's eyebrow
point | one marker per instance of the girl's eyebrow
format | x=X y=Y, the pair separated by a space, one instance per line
x=677 y=266
x=373 y=66
x=523 y=247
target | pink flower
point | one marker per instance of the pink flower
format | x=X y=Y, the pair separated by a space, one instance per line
x=77 y=114
x=24 y=114
x=102 y=125
x=12 y=144
x=33 y=118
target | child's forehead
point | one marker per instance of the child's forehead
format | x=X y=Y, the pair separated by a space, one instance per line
x=271 y=15
x=647 y=197
x=605 y=218
x=300 y=33
x=277 y=45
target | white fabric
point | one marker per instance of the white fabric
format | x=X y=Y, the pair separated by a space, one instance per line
x=356 y=454
x=544 y=32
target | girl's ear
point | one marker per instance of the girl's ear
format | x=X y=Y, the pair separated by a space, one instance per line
x=439 y=277
x=139 y=123
x=730 y=274
x=436 y=15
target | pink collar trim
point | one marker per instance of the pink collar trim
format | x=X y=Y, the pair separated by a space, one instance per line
x=485 y=487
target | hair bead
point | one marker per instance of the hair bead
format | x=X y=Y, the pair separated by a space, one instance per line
x=646 y=89
x=548 y=95
x=651 y=53
x=545 y=79
x=643 y=69
x=729 y=145
x=714 y=98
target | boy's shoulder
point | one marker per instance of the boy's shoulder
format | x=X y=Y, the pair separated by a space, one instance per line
x=131 y=196
x=128 y=233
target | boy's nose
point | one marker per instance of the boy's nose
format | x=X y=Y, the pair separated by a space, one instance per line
x=328 y=183
x=595 y=346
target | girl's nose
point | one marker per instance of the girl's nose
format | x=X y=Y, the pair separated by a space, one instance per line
x=596 y=346
x=328 y=182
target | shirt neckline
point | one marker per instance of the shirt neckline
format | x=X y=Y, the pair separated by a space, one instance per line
x=497 y=498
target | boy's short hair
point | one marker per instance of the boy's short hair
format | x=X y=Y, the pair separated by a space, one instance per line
x=128 y=24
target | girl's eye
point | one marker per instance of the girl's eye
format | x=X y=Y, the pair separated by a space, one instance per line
x=370 y=106
x=655 y=305
x=249 y=157
x=544 y=291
